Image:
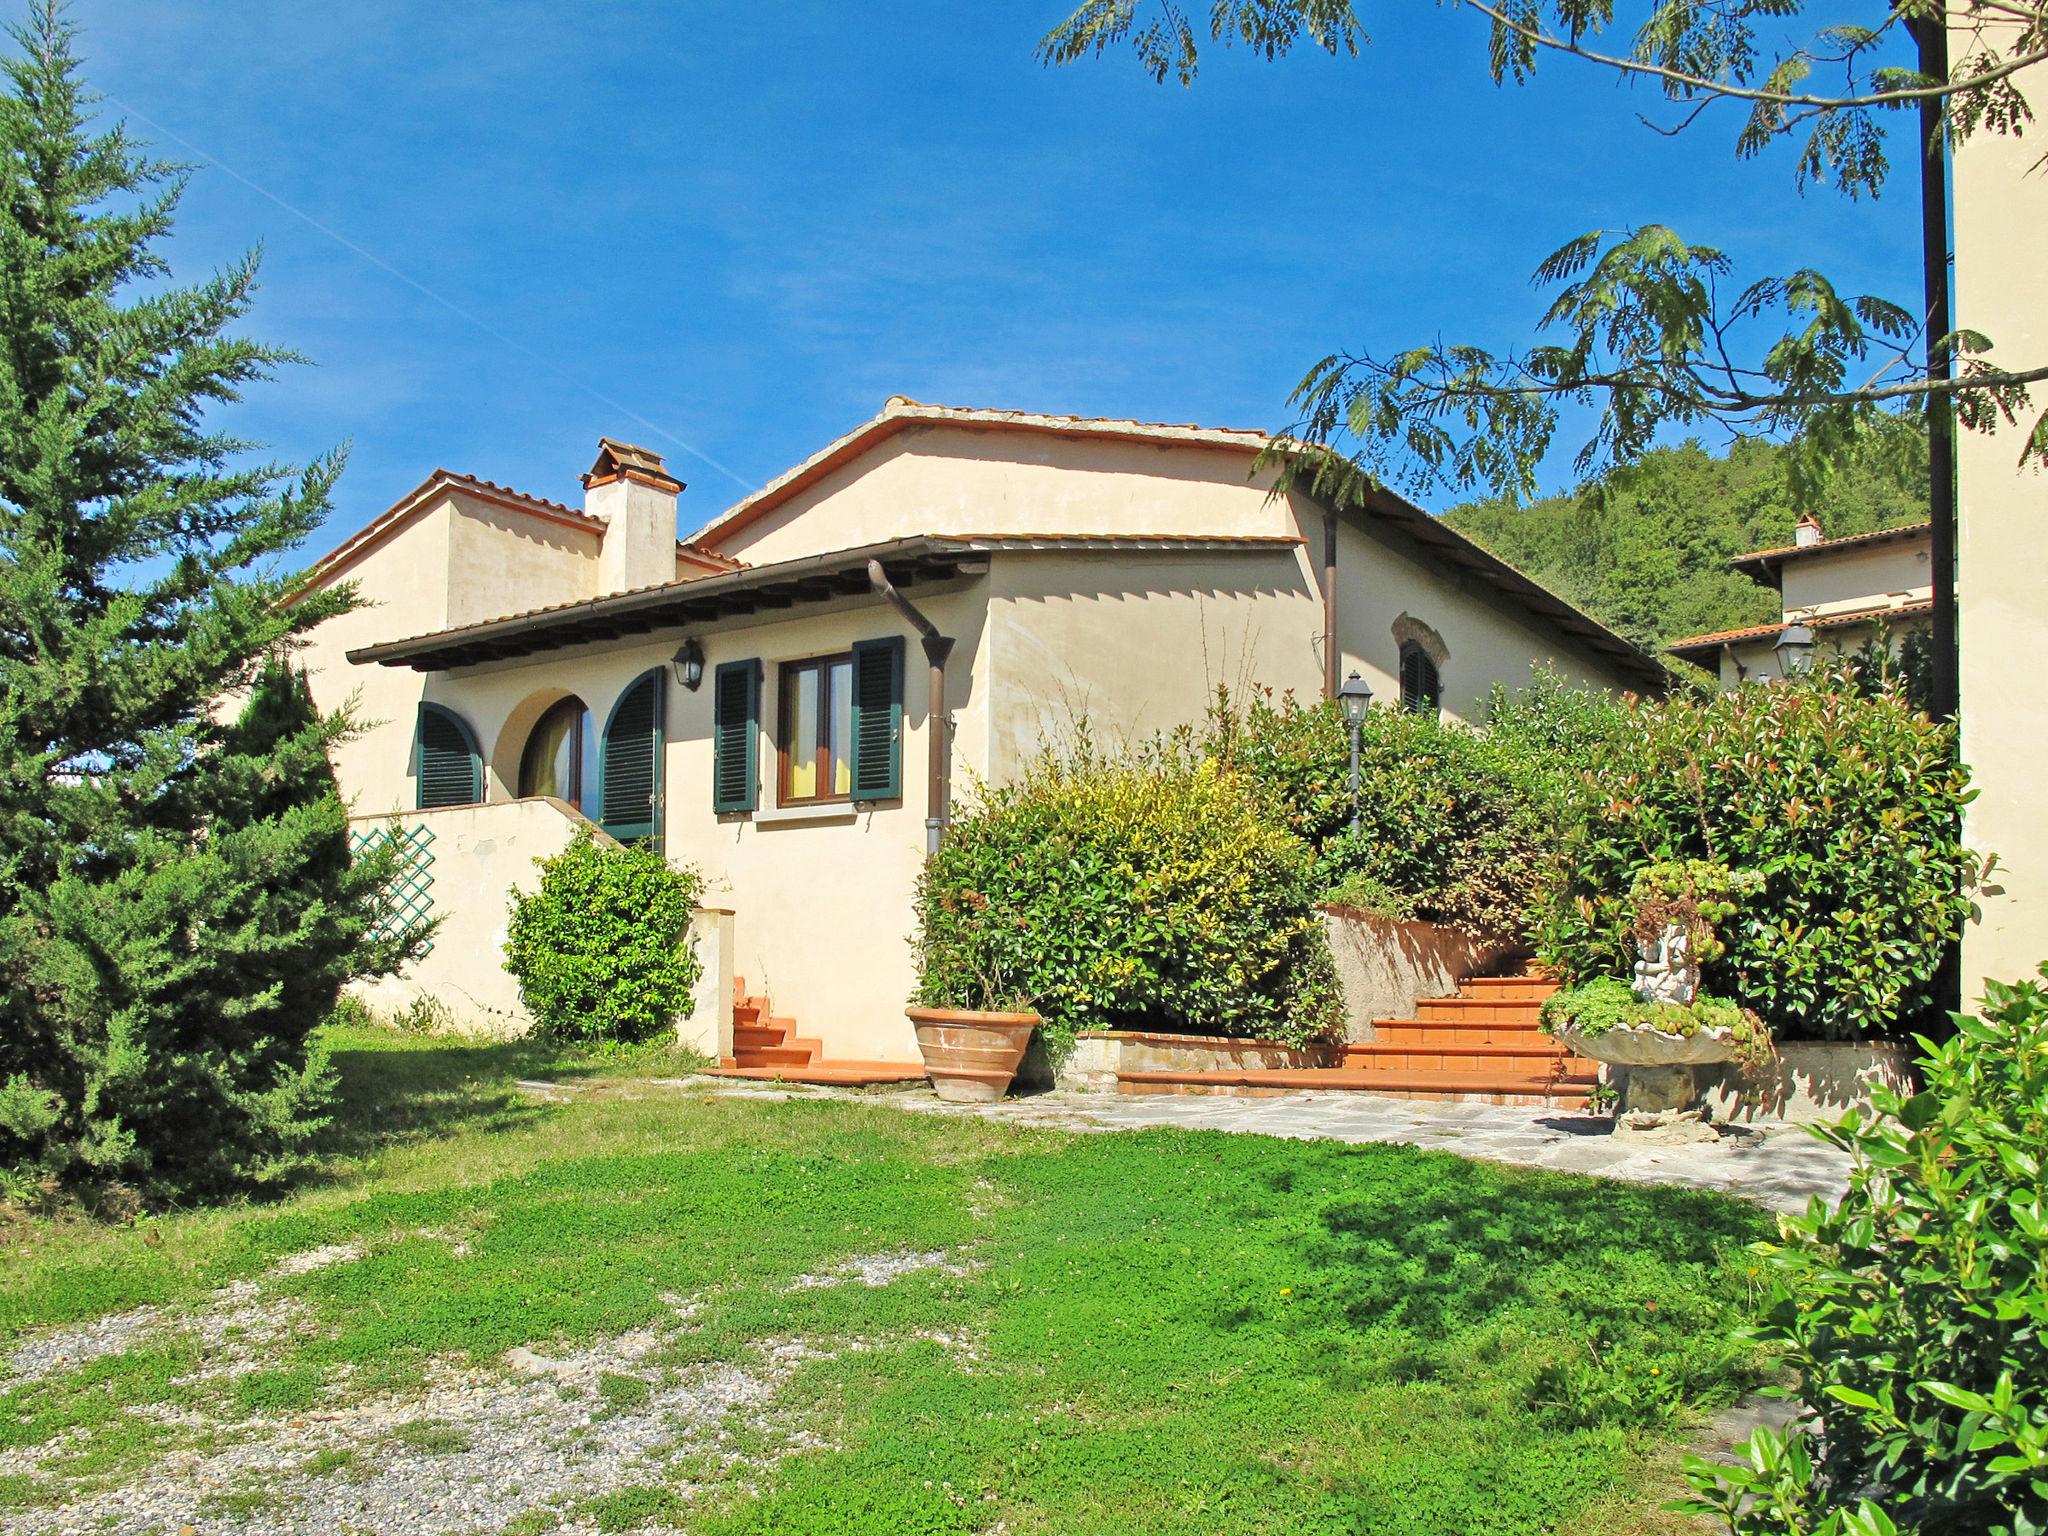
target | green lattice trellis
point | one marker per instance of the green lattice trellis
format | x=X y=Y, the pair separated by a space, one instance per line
x=411 y=887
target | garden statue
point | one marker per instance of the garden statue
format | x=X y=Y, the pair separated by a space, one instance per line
x=1666 y=971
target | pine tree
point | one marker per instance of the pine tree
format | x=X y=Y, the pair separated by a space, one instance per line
x=177 y=905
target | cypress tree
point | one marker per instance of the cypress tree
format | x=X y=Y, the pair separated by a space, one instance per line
x=177 y=905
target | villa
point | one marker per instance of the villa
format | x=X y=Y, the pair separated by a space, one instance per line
x=1839 y=594
x=760 y=699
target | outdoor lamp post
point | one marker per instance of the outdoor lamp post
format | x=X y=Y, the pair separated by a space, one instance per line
x=1356 y=698
x=1794 y=649
x=688 y=663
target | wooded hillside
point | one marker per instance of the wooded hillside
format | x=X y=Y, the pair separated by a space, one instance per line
x=1646 y=549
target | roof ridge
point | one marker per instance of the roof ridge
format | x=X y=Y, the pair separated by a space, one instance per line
x=1825 y=545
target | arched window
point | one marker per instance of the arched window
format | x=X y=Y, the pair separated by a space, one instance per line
x=555 y=757
x=1421 y=689
x=446 y=762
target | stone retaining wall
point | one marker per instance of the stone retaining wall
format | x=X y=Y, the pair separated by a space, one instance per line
x=1386 y=966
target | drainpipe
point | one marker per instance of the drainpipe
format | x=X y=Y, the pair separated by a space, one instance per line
x=1330 y=657
x=937 y=647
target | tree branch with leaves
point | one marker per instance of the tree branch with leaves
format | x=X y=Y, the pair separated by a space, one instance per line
x=1645 y=329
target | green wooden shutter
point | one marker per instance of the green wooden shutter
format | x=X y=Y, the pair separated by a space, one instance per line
x=735 y=735
x=878 y=719
x=629 y=761
x=1421 y=689
x=445 y=759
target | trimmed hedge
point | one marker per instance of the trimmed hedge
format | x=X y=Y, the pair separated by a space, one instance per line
x=1137 y=893
x=602 y=949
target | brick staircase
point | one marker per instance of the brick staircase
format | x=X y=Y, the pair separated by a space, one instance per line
x=1481 y=1046
x=767 y=1047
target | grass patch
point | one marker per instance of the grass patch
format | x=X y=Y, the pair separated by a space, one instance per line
x=326 y=1463
x=635 y=1505
x=1157 y=1331
x=430 y=1437
x=622 y=1393
x=273 y=1392
x=238 y=1504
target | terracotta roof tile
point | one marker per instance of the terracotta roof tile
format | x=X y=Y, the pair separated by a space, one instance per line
x=1821 y=621
x=1829 y=546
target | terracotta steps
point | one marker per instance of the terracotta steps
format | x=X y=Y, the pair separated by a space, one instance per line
x=1483 y=1044
x=767 y=1048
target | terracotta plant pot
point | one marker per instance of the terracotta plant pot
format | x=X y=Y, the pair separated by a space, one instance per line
x=971 y=1057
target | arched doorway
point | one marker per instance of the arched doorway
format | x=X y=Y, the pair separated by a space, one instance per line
x=560 y=756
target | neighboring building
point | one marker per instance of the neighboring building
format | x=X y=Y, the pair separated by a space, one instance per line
x=757 y=699
x=2001 y=290
x=1839 y=593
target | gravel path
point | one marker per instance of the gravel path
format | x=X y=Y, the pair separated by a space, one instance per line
x=465 y=1450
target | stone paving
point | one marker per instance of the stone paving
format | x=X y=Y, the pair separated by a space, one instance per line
x=1778 y=1166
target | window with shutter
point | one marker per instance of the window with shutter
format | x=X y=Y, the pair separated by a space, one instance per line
x=1421 y=689
x=445 y=759
x=735 y=736
x=629 y=761
x=878 y=719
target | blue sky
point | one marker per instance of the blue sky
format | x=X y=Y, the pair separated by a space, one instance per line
x=744 y=227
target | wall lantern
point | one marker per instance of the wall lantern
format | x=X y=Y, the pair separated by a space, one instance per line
x=1794 y=649
x=689 y=664
x=1356 y=697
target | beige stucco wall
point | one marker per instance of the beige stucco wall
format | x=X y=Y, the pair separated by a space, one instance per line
x=481 y=854
x=403 y=589
x=963 y=480
x=2001 y=280
x=1136 y=645
x=501 y=561
x=1383 y=580
x=1858 y=578
x=821 y=902
x=458 y=561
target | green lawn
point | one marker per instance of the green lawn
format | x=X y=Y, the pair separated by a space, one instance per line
x=1103 y=1333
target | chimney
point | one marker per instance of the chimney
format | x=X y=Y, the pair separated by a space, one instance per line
x=635 y=497
x=1804 y=536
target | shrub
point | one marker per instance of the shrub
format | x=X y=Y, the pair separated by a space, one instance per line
x=1141 y=893
x=1916 y=1310
x=1452 y=823
x=601 y=950
x=1840 y=808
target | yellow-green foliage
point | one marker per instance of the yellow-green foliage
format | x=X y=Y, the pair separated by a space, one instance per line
x=1116 y=894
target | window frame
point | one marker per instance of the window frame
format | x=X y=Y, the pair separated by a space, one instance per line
x=787 y=675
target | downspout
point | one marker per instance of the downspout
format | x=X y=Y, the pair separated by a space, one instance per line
x=937 y=647
x=1331 y=659
x=1932 y=37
